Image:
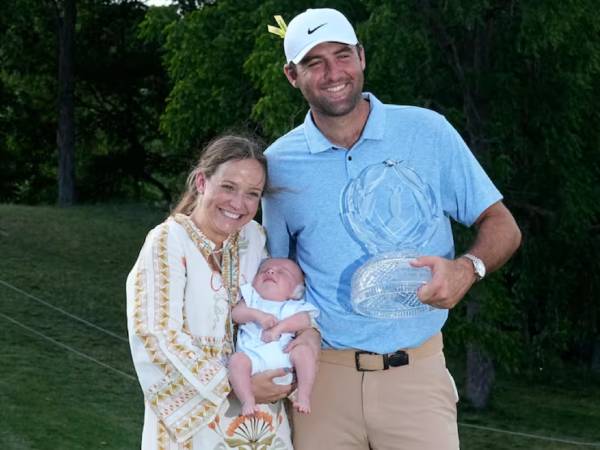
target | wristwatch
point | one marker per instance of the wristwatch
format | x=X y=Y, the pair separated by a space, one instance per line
x=478 y=265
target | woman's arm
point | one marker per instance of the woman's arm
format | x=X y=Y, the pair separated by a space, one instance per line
x=182 y=384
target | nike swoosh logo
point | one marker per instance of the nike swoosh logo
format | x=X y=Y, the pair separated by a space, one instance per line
x=315 y=29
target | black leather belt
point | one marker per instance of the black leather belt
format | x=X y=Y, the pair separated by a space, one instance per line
x=365 y=361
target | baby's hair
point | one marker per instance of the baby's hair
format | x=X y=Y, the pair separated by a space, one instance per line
x=298 y=292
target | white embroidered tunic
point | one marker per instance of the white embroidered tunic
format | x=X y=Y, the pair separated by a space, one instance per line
x=178 y=314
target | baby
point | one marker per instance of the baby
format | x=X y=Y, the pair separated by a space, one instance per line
x=270 y=312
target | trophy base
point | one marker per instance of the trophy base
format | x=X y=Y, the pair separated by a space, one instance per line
x=386 y=287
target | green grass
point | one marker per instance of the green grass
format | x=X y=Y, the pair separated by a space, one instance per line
x=77 y=259
x=545 y=405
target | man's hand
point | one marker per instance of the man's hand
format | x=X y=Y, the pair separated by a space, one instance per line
x=498 y=237
x=450 y=280
x=267 y=321
x=309 y=337
x=265 y=391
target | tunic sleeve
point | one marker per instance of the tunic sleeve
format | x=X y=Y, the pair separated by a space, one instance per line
x=184 y=386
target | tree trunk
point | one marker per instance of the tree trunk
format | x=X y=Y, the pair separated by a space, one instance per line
x=480 y=367
x=65 y=136
x=595 y=365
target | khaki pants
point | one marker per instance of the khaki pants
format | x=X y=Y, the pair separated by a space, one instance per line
x=411 y=407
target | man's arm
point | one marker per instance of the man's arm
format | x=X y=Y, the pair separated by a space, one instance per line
x=498 y=237
x=242 y=313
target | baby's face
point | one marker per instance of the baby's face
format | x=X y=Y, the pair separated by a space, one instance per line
x=277 y=278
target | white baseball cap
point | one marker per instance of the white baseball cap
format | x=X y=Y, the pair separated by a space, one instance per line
x=313 y=27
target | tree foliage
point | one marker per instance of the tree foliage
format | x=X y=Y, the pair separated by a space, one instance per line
x=120 y=93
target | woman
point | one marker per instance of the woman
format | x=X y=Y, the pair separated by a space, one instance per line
x=179 y=298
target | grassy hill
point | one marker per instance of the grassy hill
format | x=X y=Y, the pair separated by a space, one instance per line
x=76 y=260
x=66 y=378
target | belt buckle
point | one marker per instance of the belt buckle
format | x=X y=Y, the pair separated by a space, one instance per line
x=396 y=359
x=357 y=360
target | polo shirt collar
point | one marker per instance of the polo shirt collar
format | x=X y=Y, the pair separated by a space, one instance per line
x=374 y=128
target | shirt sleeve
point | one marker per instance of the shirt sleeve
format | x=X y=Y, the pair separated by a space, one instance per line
x=280 y=244
x=468 y=190
x=184 y=386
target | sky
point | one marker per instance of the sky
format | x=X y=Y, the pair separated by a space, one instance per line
x=157 y=2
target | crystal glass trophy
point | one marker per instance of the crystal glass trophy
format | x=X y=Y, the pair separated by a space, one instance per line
x=393 y=214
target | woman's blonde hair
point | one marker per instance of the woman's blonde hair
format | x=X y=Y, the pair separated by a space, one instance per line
x=219 y=151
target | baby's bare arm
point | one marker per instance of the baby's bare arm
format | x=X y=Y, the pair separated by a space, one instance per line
x=297 y=322
x=242 y=313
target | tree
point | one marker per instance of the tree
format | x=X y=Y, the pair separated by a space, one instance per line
x=121 y=92
x=113 y=141
x=66 y=13
x=205 y=53
x=28 y=113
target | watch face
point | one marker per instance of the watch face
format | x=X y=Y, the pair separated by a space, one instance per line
x=479 y=269
x=477 y=265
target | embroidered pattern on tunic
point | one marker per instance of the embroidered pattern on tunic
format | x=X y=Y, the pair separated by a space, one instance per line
x=229 y=268
x=150 y=341
x=256 y=431
x=210 y=345
x=163 y=437
x=198 y=417
x=161 y=280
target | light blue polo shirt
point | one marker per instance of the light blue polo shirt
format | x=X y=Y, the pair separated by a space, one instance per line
x=303 y=220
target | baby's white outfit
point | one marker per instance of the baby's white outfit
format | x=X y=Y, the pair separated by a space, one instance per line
x=269 y=355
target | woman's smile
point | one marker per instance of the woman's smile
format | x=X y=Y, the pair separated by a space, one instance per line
x=228 y=199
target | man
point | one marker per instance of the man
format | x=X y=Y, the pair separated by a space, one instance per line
x=390 y=399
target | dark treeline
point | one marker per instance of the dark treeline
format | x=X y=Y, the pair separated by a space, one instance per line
x=519 y=79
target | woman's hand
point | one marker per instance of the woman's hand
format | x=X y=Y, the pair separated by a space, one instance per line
x=265 y=391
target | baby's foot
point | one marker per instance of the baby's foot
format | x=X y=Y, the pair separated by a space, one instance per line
x=249 y=409
x=302 y=405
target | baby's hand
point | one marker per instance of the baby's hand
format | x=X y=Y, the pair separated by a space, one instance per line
x=270 y=335
x=267 y=321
